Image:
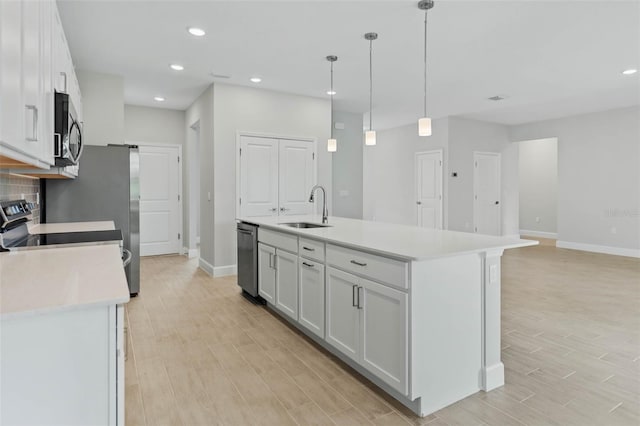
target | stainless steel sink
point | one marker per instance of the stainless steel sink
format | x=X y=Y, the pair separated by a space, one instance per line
x=304 y=225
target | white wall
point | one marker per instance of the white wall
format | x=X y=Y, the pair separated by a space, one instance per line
x=465 y=137
x=538 y=173
x=154 y=125
x=102 y=107
x=598 y=177
x=246 y=109
x=201 y=112
x=388 y=172
x=347 y=165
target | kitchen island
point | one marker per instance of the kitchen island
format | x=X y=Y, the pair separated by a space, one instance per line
x=62 y=338
x=415 y=310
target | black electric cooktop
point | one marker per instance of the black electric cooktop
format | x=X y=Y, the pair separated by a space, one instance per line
x=19 y=238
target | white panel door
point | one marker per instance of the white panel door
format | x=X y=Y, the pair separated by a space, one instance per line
x=486 y=188
x=296 y=177
x=259 y=176
x=311 y=304
x=428 y=170
x=287 y=283
x=267 y=273
x=159 y=200
x=384 y=328
x=343 y=321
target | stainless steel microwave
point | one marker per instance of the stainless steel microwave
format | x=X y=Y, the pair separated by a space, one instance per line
x=67 y=137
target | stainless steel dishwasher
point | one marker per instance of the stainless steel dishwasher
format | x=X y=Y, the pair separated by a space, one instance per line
x=248 y=261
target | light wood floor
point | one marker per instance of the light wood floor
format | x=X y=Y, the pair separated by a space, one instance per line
x=200 y=354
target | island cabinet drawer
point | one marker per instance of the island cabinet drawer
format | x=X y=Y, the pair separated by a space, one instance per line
x=379 y=268
x=311 y=249
x=280 y=240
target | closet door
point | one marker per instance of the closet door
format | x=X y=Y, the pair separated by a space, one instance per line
x=296 y=177
x=259 y=176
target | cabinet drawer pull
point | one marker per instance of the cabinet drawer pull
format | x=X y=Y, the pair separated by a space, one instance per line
x=355 y=262
x=308 y=265
x=353 y=296
x=308 y=249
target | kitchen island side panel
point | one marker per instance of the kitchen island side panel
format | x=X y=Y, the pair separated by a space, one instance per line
x=446 y=330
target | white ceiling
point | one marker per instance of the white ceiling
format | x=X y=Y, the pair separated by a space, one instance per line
x=548 y=58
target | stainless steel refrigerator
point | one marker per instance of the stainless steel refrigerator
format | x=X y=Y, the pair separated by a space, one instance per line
x=107 y=188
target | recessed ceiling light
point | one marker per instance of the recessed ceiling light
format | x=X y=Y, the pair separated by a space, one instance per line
x=198 y=32
x=158 y=99
x=256 y=79
x=331 y=92
x=630 y=71
x=176 y=67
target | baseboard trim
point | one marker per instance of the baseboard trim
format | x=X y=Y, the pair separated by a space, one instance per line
x=617 y=251
x=205 y=266
x=493 y=376
x=223 y=271
x=539 y=234
x=191 y=253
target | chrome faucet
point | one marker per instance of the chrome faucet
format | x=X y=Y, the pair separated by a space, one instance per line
x=325 y=212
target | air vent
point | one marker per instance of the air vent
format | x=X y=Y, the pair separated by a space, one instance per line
x=496 y=98
x=220 y=75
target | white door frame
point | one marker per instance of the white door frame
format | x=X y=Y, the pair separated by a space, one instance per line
x=415 y=183
x=192 y=178
x=475 y=188
x=183 y=249
x=239 y=134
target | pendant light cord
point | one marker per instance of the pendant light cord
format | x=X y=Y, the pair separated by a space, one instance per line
x=425 y=63
x=332 y=100
x=370 y=84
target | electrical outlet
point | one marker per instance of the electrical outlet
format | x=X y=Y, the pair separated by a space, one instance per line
x=344 y=192
x=537 y=219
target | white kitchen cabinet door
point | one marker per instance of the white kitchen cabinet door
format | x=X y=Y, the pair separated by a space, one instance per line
x=267 y=273
x=312 y=296
x=259 y=176
x=383 y=332
x=296 y=177
x=11 y=108
x=32 y=78
x=47 y=94
x=287 y=283
x=343 y=322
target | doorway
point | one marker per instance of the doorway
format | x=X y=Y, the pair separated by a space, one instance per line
x=428 y=189
x=160 y=199
x=538 y=188
x=486 y=193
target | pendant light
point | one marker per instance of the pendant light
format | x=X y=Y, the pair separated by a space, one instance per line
x=332 y=143
x=424 y=123
x=370 y=135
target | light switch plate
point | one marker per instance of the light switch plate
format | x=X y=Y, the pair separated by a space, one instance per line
x=339 y=126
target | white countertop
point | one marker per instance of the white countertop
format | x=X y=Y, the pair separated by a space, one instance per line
x=54 y=228
x=406 y=242
x=34 y=282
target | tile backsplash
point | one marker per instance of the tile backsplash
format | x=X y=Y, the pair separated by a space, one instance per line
x=14 y=187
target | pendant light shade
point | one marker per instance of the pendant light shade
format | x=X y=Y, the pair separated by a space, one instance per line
x=370 y=135
x=332 y=143
x=424 y=123
x=424 y=126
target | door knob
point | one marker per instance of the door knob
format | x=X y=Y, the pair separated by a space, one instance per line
x=497 y=202
x=419 y=203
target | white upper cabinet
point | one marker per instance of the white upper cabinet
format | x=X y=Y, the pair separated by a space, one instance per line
x=276 y=176
x=31 y=41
